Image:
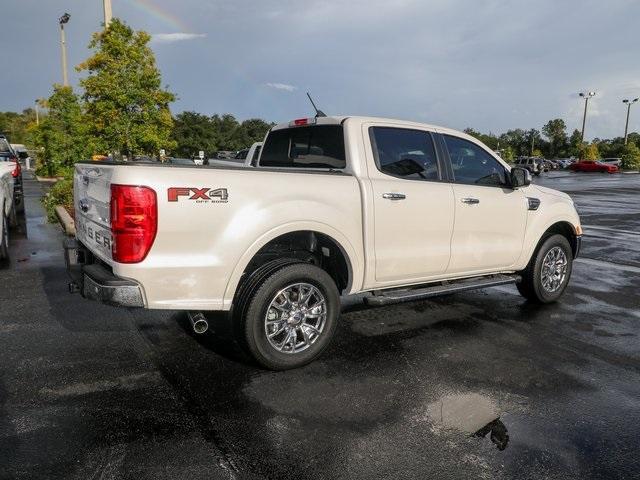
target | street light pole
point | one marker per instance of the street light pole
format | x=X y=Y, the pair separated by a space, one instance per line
x=626 y=126
x=106 y=4
x=63 y=43
x=586 y=96
x=37 y=113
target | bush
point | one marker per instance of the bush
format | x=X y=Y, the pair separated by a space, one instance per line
x=61 y=193
x=631 y=157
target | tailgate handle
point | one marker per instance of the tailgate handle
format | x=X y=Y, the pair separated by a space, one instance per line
x=84 y=205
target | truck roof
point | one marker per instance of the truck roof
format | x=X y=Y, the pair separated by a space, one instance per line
x=338 y=119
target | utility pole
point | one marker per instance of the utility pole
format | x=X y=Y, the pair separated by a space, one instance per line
x=37 y=113
x=106 y=4
x=586 y=96
x=532 y=142
x=63 y=43
x=626 y=126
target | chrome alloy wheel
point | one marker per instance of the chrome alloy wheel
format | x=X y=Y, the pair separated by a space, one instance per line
x=554 y=269
x=295 y=318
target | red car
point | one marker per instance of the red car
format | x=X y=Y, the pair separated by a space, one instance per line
x=583 y=166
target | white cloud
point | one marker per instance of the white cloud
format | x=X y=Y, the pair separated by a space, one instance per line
x=282 y=86
x=175 y=37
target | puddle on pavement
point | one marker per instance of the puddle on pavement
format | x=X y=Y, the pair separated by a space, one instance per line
x=471 y=414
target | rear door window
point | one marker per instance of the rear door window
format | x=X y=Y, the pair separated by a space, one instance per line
x=404 y=153
x=320 y=146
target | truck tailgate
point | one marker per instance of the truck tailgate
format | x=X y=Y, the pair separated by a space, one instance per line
x=92 y=195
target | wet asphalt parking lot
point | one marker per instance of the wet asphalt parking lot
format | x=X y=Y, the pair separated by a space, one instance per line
x=474 y=385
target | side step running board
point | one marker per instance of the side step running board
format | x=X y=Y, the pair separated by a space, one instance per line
x=388 y=297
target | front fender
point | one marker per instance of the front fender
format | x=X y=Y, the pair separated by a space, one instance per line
x=552 y=210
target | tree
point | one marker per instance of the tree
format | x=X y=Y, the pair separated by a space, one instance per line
x=575 y=143
x=535 y=142
x=518 y=141
x=631 y=156
x=62 y=133
x=556 y=131
x=489 y=140
x=127 y=110
x=591 y=153
x=193 y=132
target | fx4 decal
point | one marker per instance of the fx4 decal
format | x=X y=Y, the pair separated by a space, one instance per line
x=200 y=195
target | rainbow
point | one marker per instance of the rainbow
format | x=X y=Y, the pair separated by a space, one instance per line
x=166 y=17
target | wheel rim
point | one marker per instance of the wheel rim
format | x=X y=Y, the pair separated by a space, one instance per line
x=295 y=318
x=554 y=269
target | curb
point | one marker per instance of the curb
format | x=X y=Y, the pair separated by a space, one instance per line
x=68 y=224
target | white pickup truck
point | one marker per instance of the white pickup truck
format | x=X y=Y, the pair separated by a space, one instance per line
x=336 y=206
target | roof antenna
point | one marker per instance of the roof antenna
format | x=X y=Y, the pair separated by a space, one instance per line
x=319 y=113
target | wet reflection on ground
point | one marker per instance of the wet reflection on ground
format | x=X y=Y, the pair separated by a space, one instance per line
x=470 y=413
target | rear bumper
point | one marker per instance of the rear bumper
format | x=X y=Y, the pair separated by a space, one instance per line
x=95 y=282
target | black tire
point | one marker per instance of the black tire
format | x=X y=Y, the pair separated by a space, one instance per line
x=531 y=287
x=4 y=239
x=13 y=217
x=253 y=313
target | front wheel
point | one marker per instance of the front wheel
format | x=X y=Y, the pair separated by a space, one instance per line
x=547 y=275
x=291 y=316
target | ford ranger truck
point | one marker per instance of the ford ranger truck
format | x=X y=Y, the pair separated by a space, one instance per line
x=334 y=206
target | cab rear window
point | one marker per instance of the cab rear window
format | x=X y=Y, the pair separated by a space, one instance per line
x=319 y=146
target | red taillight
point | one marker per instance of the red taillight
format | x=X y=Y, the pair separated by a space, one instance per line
x=301 y=122
x=17 y=170
x=134 y=222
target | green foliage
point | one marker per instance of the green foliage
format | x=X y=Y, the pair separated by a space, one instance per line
x=508 y=154
x=591 y=152
x=556 y=131
x=631 y=157
x=489 y=140
x=193 y=132
x=127 y=109
x=62 y=134
x=575 y=144
x=61 y=193
x=15 y=125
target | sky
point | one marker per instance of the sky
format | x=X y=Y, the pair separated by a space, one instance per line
x=491 y=65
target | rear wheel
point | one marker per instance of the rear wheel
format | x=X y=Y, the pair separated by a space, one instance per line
x=290 y=316
x=547 y=275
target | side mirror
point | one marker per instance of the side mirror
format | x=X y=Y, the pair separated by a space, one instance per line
x=520 y=177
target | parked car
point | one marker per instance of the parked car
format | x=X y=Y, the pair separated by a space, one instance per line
x=612 y=161
x=180 y=161
x=335 y=206
x=246 y=157
x=564 y=162
x=9 y=173
x=8 y=154
x=551 y=165
x=588 y=166
x=531 y=164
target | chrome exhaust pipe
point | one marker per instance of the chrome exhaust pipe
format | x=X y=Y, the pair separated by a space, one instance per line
x=198 y=322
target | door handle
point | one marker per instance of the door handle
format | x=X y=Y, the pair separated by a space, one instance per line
x=394 y=196
x=470 y=201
